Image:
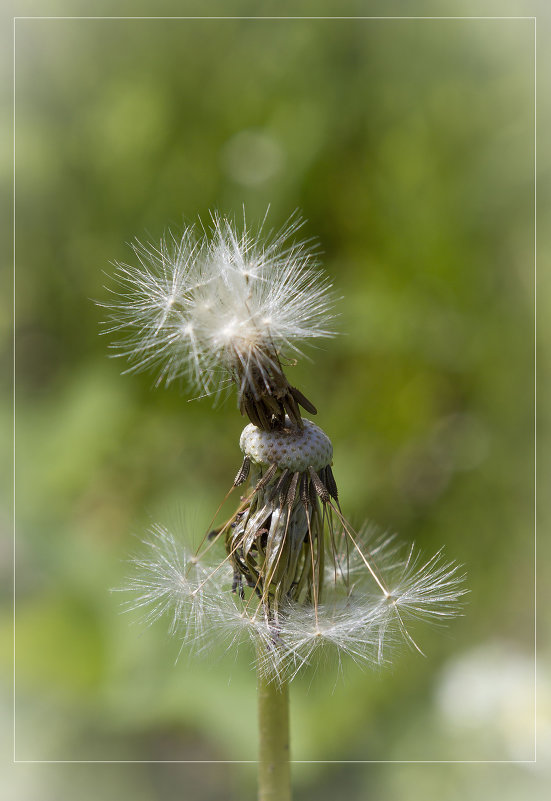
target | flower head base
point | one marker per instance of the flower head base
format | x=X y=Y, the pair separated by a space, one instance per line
x=288 y=447
x=228 y=307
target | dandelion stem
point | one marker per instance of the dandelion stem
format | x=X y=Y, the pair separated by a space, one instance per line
x=274 y=776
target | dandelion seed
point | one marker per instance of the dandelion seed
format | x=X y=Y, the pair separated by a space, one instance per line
x=229 y=306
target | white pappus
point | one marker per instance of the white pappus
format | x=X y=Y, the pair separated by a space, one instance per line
x=353 y=620
x=225 y=305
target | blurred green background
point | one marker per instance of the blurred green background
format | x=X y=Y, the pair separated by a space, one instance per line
x=409 y=148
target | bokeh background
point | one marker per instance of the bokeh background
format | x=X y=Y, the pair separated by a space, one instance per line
x=409 y=148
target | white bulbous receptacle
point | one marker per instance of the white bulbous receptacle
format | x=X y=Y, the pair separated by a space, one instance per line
x=290 y=448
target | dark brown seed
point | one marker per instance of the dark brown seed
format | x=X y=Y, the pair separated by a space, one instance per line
x=284 y=487
x=266 y=478
x=330 y=483
x=313 y=496
x=262 y=416
x=319 y=486
x=243 y=473
x=292 y=491
x=272 y=405
x=304 y=402
x=251 y=412
x=278 y=484
x=304 y=485
x=293 y=411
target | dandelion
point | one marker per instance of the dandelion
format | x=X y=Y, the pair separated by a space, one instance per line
x=295 y=581
x=226 y=307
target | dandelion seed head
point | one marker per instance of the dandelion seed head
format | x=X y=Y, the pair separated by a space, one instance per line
x=228 y=304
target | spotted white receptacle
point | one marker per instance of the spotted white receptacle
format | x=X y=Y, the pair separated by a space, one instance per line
x=289 y=448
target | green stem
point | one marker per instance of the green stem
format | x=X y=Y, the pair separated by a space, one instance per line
x=274 y=777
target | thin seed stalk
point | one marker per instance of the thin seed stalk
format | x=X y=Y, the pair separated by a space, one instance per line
x=274 y=775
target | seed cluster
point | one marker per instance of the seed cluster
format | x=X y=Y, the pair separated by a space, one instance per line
x=222 y=308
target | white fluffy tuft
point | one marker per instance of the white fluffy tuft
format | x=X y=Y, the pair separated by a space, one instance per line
x=354 y=619
x=222 y=306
